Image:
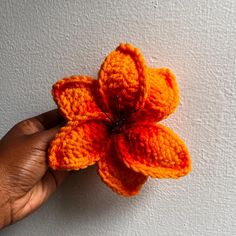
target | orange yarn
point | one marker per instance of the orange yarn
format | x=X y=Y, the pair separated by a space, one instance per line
x=111 y=121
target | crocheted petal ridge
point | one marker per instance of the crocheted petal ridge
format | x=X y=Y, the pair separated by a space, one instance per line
x=75 y=96
x=162 y=98
x=78 y=145
x=117 y=176
x=122 y=76
x=153 y=150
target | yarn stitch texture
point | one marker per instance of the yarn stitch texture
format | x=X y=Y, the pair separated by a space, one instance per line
x=112 y=122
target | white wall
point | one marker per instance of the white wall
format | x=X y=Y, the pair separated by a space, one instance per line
x=43 y=41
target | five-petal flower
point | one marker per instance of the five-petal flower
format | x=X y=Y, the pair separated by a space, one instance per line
x=111 y=121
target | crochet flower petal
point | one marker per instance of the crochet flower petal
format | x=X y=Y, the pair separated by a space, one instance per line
x=75 y=96
x=78 y=145
x=117 y=176
x=153 y=150
x=122 y=83
x=163 y=96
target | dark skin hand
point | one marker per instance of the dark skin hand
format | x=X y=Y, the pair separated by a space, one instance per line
x=26 y=182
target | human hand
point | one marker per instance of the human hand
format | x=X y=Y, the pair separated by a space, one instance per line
x=25 y=179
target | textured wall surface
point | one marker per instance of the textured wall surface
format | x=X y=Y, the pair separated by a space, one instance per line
x=43 y=41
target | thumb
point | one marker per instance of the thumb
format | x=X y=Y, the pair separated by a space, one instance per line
x=49 y=134
x=43 y=138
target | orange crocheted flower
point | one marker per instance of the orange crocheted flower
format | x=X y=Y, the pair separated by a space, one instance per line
x=111 y=121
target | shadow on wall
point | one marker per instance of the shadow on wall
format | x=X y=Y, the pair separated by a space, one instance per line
x=83 y=195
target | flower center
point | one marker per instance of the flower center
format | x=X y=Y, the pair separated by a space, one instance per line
x=116 y=126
